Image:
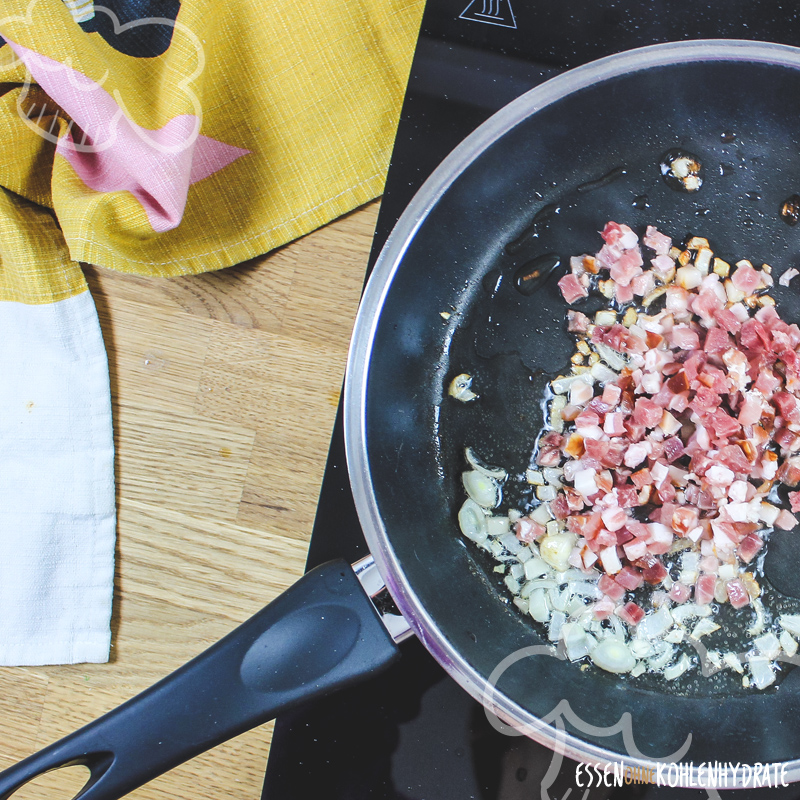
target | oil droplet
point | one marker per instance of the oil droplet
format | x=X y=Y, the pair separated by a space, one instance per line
x=702 y=212
x=225 y=452
x=533 y=274
x=726 y=169
x=748 y=222
x=641 y=201
x=727 y=137
x=754 y=196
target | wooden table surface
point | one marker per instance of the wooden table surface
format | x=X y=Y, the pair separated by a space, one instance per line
x=225 y=388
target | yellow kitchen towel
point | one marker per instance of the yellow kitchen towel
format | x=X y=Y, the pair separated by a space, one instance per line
x=162 y=137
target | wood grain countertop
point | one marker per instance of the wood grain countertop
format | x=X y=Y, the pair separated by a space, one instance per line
x=224 y=388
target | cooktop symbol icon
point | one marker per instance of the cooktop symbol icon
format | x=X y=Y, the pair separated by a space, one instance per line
x=492 y=12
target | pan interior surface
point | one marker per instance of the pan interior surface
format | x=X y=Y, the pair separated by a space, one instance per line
x=449 y=306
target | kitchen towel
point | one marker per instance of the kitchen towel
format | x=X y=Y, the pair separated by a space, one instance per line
x=163 y=138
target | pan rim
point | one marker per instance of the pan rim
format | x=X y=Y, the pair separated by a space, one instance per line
x=366 y=325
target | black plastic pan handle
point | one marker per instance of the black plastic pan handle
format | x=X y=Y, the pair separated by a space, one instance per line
x=320 y=635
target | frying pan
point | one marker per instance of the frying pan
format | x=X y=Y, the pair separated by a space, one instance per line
x=534 y=183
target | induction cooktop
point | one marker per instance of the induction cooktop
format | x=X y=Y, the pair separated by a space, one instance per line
x=412 y=733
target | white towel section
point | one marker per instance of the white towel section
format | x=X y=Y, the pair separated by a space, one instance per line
x=57 y=507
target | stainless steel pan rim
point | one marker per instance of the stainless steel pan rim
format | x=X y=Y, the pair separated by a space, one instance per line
x=367 y=321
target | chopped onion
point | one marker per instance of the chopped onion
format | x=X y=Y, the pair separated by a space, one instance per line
x=768 y=646
x=538 y=607
x=677 y=669
x=760 y=671
x=791 y=623
x=556 y=548
x=460 y=388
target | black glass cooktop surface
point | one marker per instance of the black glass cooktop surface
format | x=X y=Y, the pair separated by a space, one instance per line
x=412 y=733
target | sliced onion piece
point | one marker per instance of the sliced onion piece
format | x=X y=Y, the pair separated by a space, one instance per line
x=613 y=655
x=479 y=465
x=485 y=491
x=472 y=521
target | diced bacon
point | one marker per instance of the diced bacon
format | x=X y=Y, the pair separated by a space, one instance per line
x=673 y=449
x=610 y=588
x=787 y=276
x=717 y=341
x=642 y=478
x=684 y=338
x=614 y=424
x=723 y=424
x=655 y=574
x=748 y=547
x=754 y=336
x=608 y=255
x=662 y=265
x=571 y=288
x=630 y=578
x=750 y=410
x=707 y=304
x=746 y=279
x=528 y=530
x=603 y=609
x=679 y=592
x=577 y=322
x=610 y=560
x=684 y=519
x=789 y=471
x=548 y=457
x=787 y=405
x=628 y=496
x=785 y=521
x=647 y=413
x=678 y=299
x=615 y=234
x=728 y=320
x=560 y=507
x=626 y=267
x=614 y=518
x=657 y=241
x=630 y=613
x=634 y=550
x=623 y=293
x=732 y=456
x=643 y=284
x=691 y=432
x=704 y=589
x=737 y=594
x=611 y=394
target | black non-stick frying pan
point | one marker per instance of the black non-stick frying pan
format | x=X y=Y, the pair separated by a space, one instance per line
x=537 y=181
